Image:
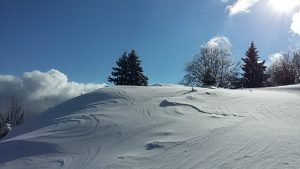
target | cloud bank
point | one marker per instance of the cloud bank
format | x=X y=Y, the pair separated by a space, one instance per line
x=295 y=26
x=219 y=41
x=273 y=58
x=244 y=6
x=241 y=6
x=38 y=90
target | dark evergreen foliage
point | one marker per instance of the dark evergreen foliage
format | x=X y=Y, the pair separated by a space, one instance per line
x=128 y=71
x=254 y=71
x=120 y=73
x=137 y=78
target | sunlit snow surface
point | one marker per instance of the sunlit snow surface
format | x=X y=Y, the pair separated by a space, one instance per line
x=162 y=127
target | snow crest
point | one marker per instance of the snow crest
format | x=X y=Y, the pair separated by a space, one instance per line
x=162 y=126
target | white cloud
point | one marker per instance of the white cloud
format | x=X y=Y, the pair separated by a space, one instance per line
x=273 y=58
x=244 y=6
x=241 y=6
x=284 y=6
x=40 y=90
x=219 y=41
x=295 y=26
x=224 y=1
x=276 y=56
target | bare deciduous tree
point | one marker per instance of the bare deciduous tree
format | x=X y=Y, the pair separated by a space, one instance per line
x=283 y=71
x=13 y=116
x=2 y=124
x=296 y=61
x=212 y=66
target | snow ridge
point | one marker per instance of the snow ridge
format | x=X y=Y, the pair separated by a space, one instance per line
x=162 y=126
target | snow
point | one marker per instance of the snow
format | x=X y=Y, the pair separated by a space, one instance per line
x=162 y=127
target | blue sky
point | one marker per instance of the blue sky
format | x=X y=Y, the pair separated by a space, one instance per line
x=83 y=39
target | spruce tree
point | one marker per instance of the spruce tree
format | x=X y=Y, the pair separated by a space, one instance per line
x=120 y=73
x=253 y=75
x=129 y=71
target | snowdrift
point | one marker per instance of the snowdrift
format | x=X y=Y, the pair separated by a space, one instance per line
x=162 y=127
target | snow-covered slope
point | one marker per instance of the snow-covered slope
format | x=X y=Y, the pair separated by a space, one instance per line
x=162 y=127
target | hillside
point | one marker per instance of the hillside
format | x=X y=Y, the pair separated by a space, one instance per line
x=162 y=127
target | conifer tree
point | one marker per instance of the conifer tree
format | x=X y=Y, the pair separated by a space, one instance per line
x=137 y=78
x=129 y=71
x=120 y=73
x=253 y=75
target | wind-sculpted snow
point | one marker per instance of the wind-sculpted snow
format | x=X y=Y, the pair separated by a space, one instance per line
x=162 y=127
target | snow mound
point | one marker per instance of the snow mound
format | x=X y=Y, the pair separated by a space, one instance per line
x=162 y=126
